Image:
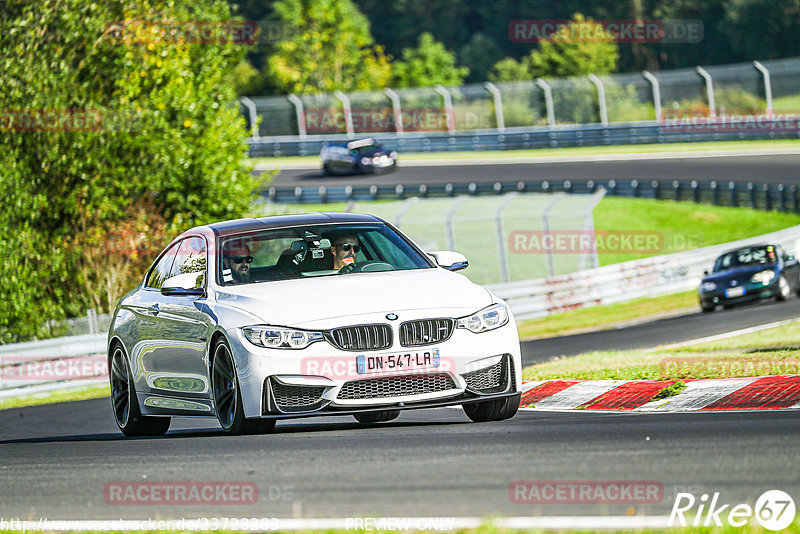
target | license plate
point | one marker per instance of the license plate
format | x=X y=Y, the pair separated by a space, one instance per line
x=404 y=361
x=734 y=292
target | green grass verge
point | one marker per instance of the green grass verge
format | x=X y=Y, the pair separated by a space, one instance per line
x=607 y=316
x=773 y=351
x=567 y=151
x=683 y=225
x=92 y=392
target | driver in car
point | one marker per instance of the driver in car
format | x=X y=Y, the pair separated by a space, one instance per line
x=345 y=249
x=236 y=260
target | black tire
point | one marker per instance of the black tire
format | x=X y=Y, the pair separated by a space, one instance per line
x=124 y=402
x=707 y=308
x=227 y=398
x=493 y=410
x=368 y=418
x=784 y=289
x=327 y=170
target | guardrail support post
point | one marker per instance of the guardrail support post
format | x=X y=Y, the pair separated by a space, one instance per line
x=588 y=226
x=656 y=93
x=601 y=98
x=498 y=105
x=396 y=110
x=450 y=233
x=714 y=193
x=734 y=200
x=656 y=189
x=767 y=198
x=752 y=191
x=548 y=101
x=767 y=85
x=301 y=116
x=448 y=108
x=695 y=192
x=712 y=108
x=546 y=234
x=676 y=186
x=251 y=107
x=782 y=194
x=348 y=112
x=505 y=272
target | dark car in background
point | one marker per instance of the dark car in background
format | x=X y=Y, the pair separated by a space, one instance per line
x=364 y=156
x=749 y=273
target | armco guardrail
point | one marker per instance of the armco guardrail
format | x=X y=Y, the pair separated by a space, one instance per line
x=521 y=138
x=649 y=277
x=766 y=196
x=64 y=362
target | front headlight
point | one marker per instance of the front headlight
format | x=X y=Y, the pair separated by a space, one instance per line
x=763 y=277
x=708 y=286
x=272 y=337
x=487 y=319
x=366 y=161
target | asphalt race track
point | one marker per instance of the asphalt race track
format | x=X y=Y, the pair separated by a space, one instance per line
x=757 y=169
x=662 y=331
x=57 y=460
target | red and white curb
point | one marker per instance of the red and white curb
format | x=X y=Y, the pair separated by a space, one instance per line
x=753 y=393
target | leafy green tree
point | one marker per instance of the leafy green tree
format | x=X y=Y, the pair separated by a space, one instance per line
x=429 y=64
x=120 y=128
x=479 y=55
x=510 y=70
x=330 y=48
x=579 y=48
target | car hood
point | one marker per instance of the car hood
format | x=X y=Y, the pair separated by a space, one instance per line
x=322 y=302
x=739 y=272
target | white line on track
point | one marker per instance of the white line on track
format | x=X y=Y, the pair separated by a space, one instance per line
x=724 y=335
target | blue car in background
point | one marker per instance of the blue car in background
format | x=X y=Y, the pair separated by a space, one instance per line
x=747 y=274
x=364 y=156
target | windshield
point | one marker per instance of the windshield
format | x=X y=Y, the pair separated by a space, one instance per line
x=312 y=251
x=746 y=256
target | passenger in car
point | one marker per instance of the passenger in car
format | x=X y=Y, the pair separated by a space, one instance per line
x=236 y=260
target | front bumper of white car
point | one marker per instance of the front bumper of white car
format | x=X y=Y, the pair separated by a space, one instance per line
x=323 y=379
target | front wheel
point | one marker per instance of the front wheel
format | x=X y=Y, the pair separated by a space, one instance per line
x=493 y=410
x=784 y=289
x=127 y=414
x=228 y=398
x=707 y=308
x=368 y=418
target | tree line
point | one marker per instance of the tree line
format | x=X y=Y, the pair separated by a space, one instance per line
x=413 y=42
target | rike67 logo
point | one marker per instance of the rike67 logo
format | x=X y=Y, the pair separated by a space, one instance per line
x=774 y=510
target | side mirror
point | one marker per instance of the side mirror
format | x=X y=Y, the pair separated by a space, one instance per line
x=186 y=284
x=705 y=272
x=452 y=261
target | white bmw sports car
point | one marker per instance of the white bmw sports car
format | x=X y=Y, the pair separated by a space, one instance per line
x=255 y=320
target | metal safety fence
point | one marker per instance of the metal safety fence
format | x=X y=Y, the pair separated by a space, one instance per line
x=757 y=195
x=747 y=100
